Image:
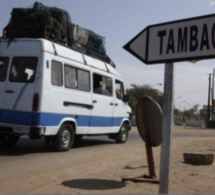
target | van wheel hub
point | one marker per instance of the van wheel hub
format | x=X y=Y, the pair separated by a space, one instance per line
x=65 y=138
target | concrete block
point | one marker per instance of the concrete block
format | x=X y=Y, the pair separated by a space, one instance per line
x=198 y=158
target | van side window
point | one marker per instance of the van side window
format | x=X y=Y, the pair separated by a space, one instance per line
x=56 y=73
x=102 y=85
x=23 y=69
x=3 y=67
x=76 y=78
x=83 y=80
x=119 y=89
x=70 y=77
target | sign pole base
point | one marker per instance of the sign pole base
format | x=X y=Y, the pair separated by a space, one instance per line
x=151 y=178
x=142 y=178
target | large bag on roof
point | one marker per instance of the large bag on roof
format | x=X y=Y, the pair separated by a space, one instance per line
x=88 y=42
x=38 y=21
x=54 y=24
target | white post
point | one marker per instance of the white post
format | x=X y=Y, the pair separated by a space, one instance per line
x=168 y=106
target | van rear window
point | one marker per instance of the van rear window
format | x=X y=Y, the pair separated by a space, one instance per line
x=3 y=68
x=56 y=73
x=23 y=69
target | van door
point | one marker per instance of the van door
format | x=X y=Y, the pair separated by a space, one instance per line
x=102 y=112
x=19 y=89
x=4 y=61
x=119 y=106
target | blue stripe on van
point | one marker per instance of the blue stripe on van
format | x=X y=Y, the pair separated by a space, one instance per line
x=15 y=117
x=49 y=119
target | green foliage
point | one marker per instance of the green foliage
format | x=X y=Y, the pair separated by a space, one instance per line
x=177 y=112
x=143 y=90
x=191 y=113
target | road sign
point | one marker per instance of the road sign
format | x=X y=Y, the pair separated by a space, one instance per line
x=149 y=120
x=182 y=40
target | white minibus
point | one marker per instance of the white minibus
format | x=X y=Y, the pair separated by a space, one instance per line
x=49 y=90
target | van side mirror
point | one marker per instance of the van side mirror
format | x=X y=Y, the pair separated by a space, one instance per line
x=125 y=98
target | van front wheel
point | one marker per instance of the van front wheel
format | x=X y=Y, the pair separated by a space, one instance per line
x=65 y=138
x=122 y=136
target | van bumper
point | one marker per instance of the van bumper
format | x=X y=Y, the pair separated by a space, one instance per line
x=37 y=131
x=22 y=130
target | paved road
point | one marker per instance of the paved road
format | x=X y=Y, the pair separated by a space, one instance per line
x=30 y=167
x=27 y=146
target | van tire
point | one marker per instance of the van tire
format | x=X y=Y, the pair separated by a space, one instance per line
x=122 y=136
x=65 y=138
x=8 y=140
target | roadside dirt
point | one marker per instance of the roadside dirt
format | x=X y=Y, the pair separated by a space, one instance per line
x=100 y=170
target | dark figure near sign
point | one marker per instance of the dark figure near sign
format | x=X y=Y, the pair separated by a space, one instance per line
x=184 y=121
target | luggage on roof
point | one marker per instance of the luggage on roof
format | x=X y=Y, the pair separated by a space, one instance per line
x=88 y=41
x=38 y=21
x=54 y=24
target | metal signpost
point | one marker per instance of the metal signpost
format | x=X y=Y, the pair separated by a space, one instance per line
x=182 y=40
x=149 y=124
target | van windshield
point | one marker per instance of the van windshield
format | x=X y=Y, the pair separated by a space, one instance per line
x=3 y=68
x=23 y=69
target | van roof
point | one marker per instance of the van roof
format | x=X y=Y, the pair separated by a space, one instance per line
x=66 y=52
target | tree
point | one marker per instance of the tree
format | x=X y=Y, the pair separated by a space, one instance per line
x=192 y=112
x=143 y=90
x=177 y=112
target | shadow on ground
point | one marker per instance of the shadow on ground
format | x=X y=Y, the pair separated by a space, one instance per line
x=94 y=184
x=27 y=146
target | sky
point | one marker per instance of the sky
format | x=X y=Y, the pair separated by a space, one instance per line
x=121 y=20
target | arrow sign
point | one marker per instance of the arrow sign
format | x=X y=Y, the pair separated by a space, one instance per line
x=182 y=40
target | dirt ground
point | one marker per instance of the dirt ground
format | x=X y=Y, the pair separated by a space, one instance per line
x=99 y=171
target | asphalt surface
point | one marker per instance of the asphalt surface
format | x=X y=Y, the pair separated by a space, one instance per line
x=28 y=146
